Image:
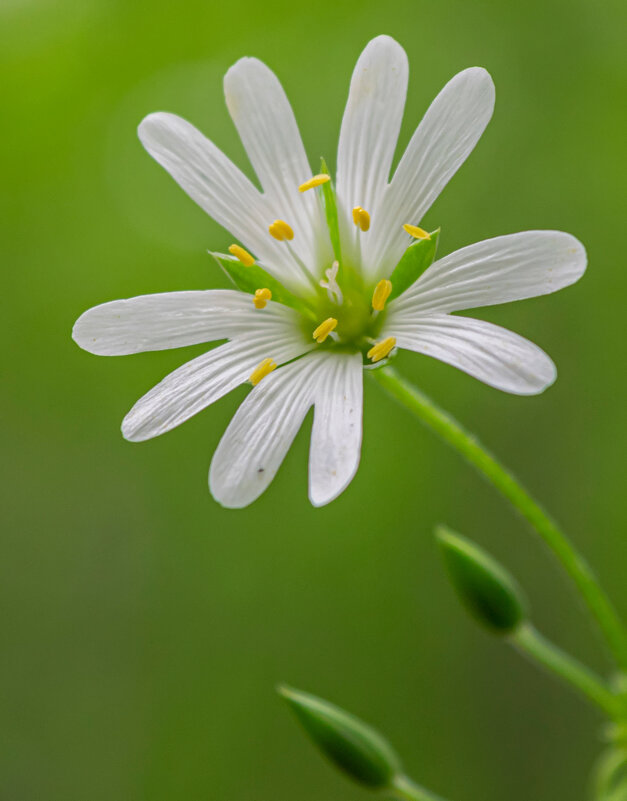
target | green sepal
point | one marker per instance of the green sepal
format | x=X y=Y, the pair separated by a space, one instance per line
x=486 y=589
x=329 y=203
x=249 y=279
x=353 y=746
x=413 y=263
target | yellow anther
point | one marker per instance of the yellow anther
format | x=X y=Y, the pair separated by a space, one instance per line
x=281 y=230
x=324 y=329
x=241 y=254
x=317 y=180
x=361 y=218
x=381 y=349
x=417 y=233
x=261 y=371
x=262 y=296
x=381 y=294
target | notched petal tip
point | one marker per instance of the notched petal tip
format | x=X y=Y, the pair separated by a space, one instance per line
x=320 y=496
x=478 y=79
x=86 y=335
x=384 y=42
x=543 y=376
x=131 y=431
x=244 y=64
x=576 y=254
x=152 y=124
x=228 y=501
x=230 y=495
x=78 y=335
x=162 y=132
x=240 y=71
x=383 y=53
x=478 y=74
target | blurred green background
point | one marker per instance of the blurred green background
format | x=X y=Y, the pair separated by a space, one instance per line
x=144 y=626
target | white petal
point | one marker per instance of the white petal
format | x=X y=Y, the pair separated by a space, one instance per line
x=263 y=428
x=445 y=137
x=260 y=434
x=336 y=433
x=267 y=127
x=171 y=320
x=369 y=133
x=496 y=270
x=219 y=187
x=488 y=352
x=200 y=382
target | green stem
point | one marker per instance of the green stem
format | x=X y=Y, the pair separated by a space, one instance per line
x=407 y=790
x=469 y=447
x=528 y=640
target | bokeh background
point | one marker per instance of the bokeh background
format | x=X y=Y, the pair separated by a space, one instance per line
x=144 y=627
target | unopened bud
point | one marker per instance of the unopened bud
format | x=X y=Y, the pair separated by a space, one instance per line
x=489 y=592
x=350 y=744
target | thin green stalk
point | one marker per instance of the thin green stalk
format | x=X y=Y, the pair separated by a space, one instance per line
x=469 y=447
x=407 y=790
x=529 y=641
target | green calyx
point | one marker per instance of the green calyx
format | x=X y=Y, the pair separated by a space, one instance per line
x=486 y=589
x=413 y=263
x=353 y=746
x=329 y=203
x=250 y=279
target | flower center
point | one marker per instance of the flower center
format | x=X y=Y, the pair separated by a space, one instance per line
x=341 y=312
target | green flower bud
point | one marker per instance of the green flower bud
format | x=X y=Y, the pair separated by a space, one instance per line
x=352 y=745
x=489 y=592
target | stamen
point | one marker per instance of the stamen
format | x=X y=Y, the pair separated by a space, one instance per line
x=381 y=294
x=417 y=233
x=241 y=254
x=361 y=218
x=280 y=230
x=381 y=349
x=324 y=329
x=331 y=285
x=262 y=296
x=317 y=180
x=261 y=371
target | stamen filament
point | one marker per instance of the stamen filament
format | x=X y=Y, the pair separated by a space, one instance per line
x=381 y=349
x=416 y=232
x=261 y=371
x=317 y=180
x=324 y=329
x=306 y=272
x=241 y=254
x=261 y=297
x=361 y=218
x=281 y=230
x=381 y=294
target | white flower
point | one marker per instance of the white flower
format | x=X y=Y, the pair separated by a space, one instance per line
x=332 y=270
